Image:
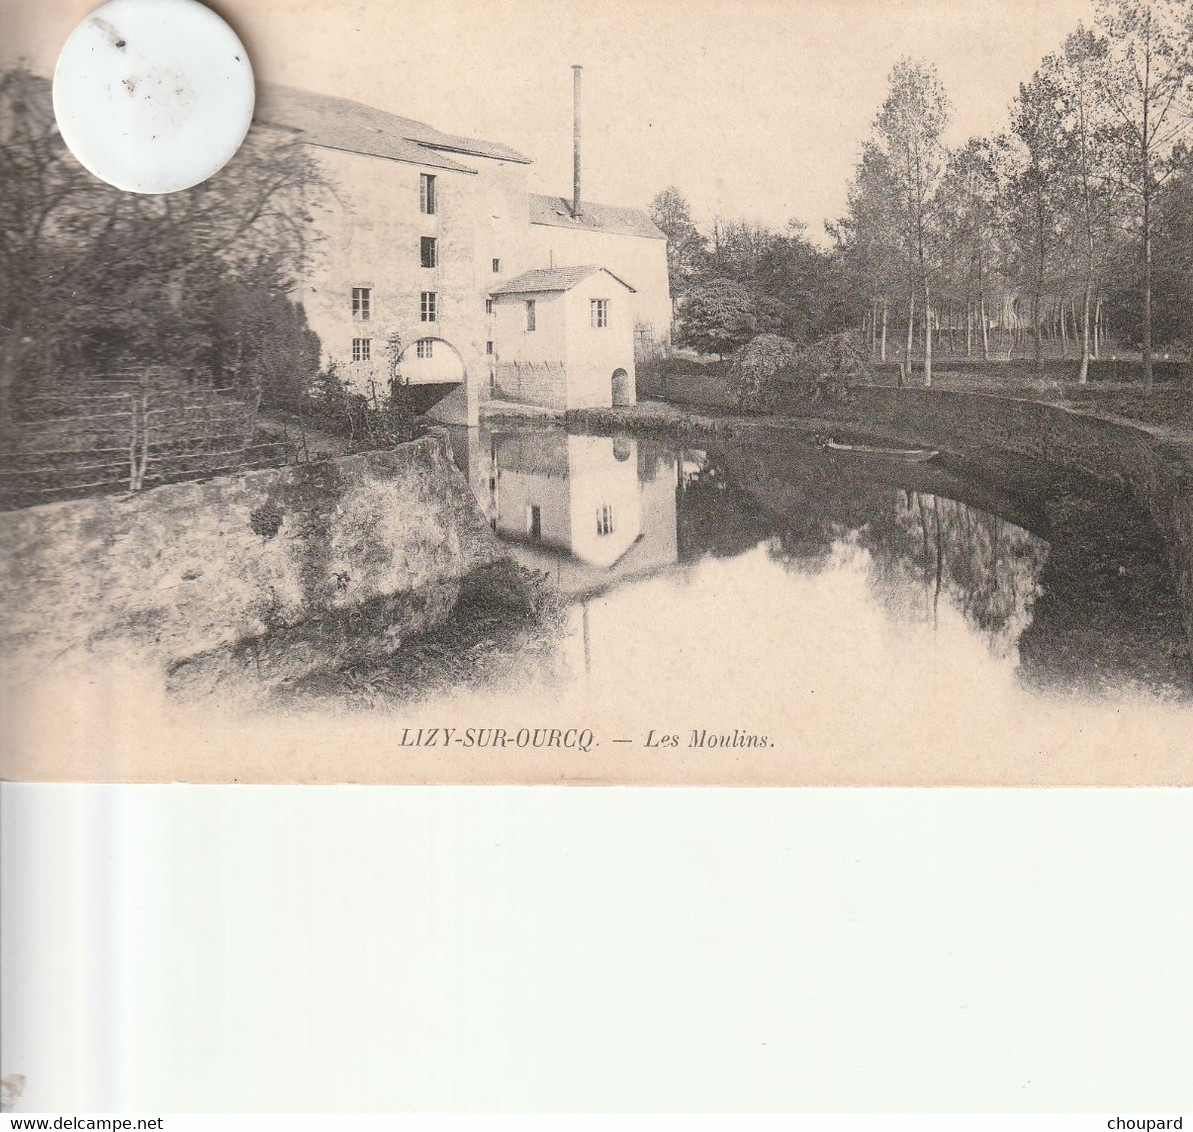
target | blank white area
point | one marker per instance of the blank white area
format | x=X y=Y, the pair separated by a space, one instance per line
x=196 y=949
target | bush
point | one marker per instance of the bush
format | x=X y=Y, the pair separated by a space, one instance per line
x=755 y=365
x=333 y=406
x=823 y=371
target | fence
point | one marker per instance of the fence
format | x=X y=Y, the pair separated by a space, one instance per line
x=124 y=433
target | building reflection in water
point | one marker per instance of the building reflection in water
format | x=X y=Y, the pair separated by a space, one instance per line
x=589 y=511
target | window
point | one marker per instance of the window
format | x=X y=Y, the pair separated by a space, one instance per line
x=426 y=194
x=425 y=348
x=362 y=303
x=488 y=306
x=600 y=313
x=429 y=306
x=530 y=315
x=488 y=347
x=496 y=266
x=362 y=349
x=604 y=520
x=429 y=247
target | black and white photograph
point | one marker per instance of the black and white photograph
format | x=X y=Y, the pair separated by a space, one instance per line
x=773 y=415
x=770 y=394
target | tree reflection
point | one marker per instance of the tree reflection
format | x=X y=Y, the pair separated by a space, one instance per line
x=986 y=568
x=920 y=546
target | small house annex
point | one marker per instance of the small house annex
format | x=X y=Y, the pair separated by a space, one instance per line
x=567 y=338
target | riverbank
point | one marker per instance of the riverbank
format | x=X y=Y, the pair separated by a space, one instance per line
x=277 y=572
x=1015 y=440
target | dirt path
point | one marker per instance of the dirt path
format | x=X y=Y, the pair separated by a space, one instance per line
x=318 y=445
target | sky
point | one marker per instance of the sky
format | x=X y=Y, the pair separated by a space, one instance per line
x=755 y=109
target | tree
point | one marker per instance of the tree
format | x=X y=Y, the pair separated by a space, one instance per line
x=1144 y=86
x=685 y=245
x=260 y=344
x=798 y=292
x=720 y=315
x=1174 y=255
x=908 y=129
x=1077 y=69
x=969 y=194
x=868 y=243
x=1036 y=188
x=96 y=279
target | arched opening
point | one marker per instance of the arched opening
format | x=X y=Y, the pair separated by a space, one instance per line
x=431 y=361
x=430 y=371
x=623 y=392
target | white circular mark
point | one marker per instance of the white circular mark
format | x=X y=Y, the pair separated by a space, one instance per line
x=153 y=96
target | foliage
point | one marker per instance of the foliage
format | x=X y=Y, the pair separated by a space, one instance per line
x=784 y=283
x=1145 y=85
x=1174 y=257
x=260 y=345
x=1036 y=185
x=721 y=314
x=97 y=280
x=908 y=130
x=829 y=367
x=685 y=245
x=332 y=405
x=755 y=365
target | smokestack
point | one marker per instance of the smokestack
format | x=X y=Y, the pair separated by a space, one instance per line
x=576 y=69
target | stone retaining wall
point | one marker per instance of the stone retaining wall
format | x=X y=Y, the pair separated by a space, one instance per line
x=182 y=570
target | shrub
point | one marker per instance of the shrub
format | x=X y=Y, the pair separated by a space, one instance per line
x=823 y=371
x=755 y=365
x=333 y=406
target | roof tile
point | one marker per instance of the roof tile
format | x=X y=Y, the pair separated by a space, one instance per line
x=557 y=212
x=340 y=123
x=551 y=279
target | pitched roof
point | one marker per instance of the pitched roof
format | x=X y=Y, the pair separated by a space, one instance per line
x=557 y=212
x=339 y=123
x=552 y=279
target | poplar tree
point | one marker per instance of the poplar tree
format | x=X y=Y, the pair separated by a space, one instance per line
x=1144 y=85
x=908 y=130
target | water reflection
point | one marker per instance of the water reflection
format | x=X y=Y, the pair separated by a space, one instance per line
x=589 y=511
x=599 y=515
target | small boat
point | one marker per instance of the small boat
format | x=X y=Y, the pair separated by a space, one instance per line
x=907 y=455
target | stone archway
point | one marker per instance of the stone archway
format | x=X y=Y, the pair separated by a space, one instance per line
x=431 y=361
x=623 y=388
x=434 y=380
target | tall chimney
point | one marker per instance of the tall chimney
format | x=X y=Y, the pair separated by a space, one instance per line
x=576 y=69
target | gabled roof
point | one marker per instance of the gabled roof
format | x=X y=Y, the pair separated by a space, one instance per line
x=339 y=123
x=557 y=212
x=552 y=279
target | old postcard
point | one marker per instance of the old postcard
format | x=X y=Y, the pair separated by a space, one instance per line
x=765 y=393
